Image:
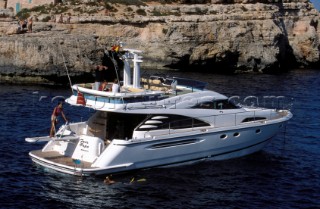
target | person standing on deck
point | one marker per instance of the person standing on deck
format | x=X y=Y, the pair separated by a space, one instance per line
x=99 y=76
x=56 y=112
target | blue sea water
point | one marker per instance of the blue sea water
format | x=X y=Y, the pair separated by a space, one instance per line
x=316 y=4
x=285 y=174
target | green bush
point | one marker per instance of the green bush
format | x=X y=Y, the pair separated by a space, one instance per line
x=129 y=9
x=158 y=13
x=60 y=9
x=23 y=14
x=163 y=1
x=213 y=12
x=92 y=11
x=244 y=9
x=141 y=12
x=195 y=1
x=73 y=2
x=110 y=7
x=78 y=9
x=95 y=3
x=164 y=31
x=126 y=2
x=42 y=9
x=46 y=19
x=198 y=11
x=39 y=9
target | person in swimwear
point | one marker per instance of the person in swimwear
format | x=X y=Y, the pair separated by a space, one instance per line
x=56 y=112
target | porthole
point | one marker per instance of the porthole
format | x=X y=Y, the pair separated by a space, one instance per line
x=223 y=136
x=236 y=134
x=258 y=131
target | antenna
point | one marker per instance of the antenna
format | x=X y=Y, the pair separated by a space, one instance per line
x=64 y=62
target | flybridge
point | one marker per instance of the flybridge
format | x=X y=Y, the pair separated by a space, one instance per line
x=134 y=89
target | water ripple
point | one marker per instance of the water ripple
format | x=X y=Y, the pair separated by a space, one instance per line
x=286 y=174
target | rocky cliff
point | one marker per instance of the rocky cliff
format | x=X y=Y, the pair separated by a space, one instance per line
x=241 y=36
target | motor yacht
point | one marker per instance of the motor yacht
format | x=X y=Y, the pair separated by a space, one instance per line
x=155 y=121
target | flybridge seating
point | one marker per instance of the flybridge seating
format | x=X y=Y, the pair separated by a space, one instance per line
x=153 y=88
x=136 y=88
x=157 y=83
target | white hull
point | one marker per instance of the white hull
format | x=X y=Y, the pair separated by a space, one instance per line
x=123 y=156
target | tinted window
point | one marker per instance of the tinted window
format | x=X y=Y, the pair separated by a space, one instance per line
x=253 y=119
x=172 y=122
x=218 y=104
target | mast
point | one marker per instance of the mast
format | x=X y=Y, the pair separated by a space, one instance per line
x=126 y=71
x=132 y=54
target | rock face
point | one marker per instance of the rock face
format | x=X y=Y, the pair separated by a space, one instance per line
x=244 y=36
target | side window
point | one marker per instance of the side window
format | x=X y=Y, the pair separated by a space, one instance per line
x=206 y=105
x=157 y=122
x=218 y=105
x=225 y=104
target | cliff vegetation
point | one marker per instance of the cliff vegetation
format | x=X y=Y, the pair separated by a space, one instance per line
x=218 y=36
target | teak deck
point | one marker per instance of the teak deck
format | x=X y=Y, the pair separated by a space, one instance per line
x=61 y=159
